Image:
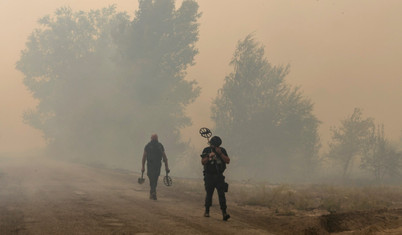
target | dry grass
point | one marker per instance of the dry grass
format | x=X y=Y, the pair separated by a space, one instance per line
x=324 y=197
x=289 y=199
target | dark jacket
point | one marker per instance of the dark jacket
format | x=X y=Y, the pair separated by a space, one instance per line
x=215 y=166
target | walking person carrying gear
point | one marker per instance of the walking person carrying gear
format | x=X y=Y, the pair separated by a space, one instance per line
x=214 y=160
x=154 y=153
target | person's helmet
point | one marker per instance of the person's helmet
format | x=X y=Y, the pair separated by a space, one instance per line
x=216 y=141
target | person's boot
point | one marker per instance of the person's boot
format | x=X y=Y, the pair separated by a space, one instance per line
x=152 y=196
x=206 y=213
x=225 y=215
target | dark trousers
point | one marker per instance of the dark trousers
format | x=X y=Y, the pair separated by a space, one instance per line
x=153 y=173
x=211 y=182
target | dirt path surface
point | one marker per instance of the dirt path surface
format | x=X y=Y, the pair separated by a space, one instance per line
x=39 y=196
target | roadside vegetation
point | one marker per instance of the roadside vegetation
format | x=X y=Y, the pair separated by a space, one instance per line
x=313 y=199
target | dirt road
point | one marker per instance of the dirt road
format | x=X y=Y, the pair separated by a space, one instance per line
x=41 y=196
x=50 y=197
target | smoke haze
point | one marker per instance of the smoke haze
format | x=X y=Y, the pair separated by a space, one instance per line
x=343 y=54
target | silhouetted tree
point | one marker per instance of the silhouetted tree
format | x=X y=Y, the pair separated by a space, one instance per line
x=104 y=82
x=347 y=140
x=379 y=157
x=268 y=124
x=68 y=68
x=156 y=48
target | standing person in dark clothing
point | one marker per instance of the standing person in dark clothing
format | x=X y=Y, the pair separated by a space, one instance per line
x=214 y=159
x=154 y=152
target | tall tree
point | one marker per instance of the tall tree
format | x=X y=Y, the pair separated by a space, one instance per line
x=347 y=140
x=156 y=48
x=104 y=82
x=68 y=69
x=379 y=157
x=267 y=123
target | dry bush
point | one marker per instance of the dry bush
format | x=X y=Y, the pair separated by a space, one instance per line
x=330 y=198
x=289 y=199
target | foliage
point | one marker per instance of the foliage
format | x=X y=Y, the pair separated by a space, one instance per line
x=67 y=67
x=347 y=140
x=104 y=82
x=379 y=157
x=268 y=124
x=156 y=49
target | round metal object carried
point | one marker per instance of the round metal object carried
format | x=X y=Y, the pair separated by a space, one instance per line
x=167 y=180
x=205 y=132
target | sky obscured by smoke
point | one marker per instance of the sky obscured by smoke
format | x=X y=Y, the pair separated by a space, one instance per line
x=343 y=54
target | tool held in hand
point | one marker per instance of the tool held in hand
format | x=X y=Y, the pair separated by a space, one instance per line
x=206 y=133
x=141 y=180
x=167 y=180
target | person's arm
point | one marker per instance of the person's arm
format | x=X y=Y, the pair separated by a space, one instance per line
x=144 y=158
x=165 y=160
x=205 y=159
x=206 y=156
x=223 y=155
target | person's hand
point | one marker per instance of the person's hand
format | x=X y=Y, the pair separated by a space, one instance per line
x=142 y=169
x=167 y=170
x=211 y=156
x=218 y=150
